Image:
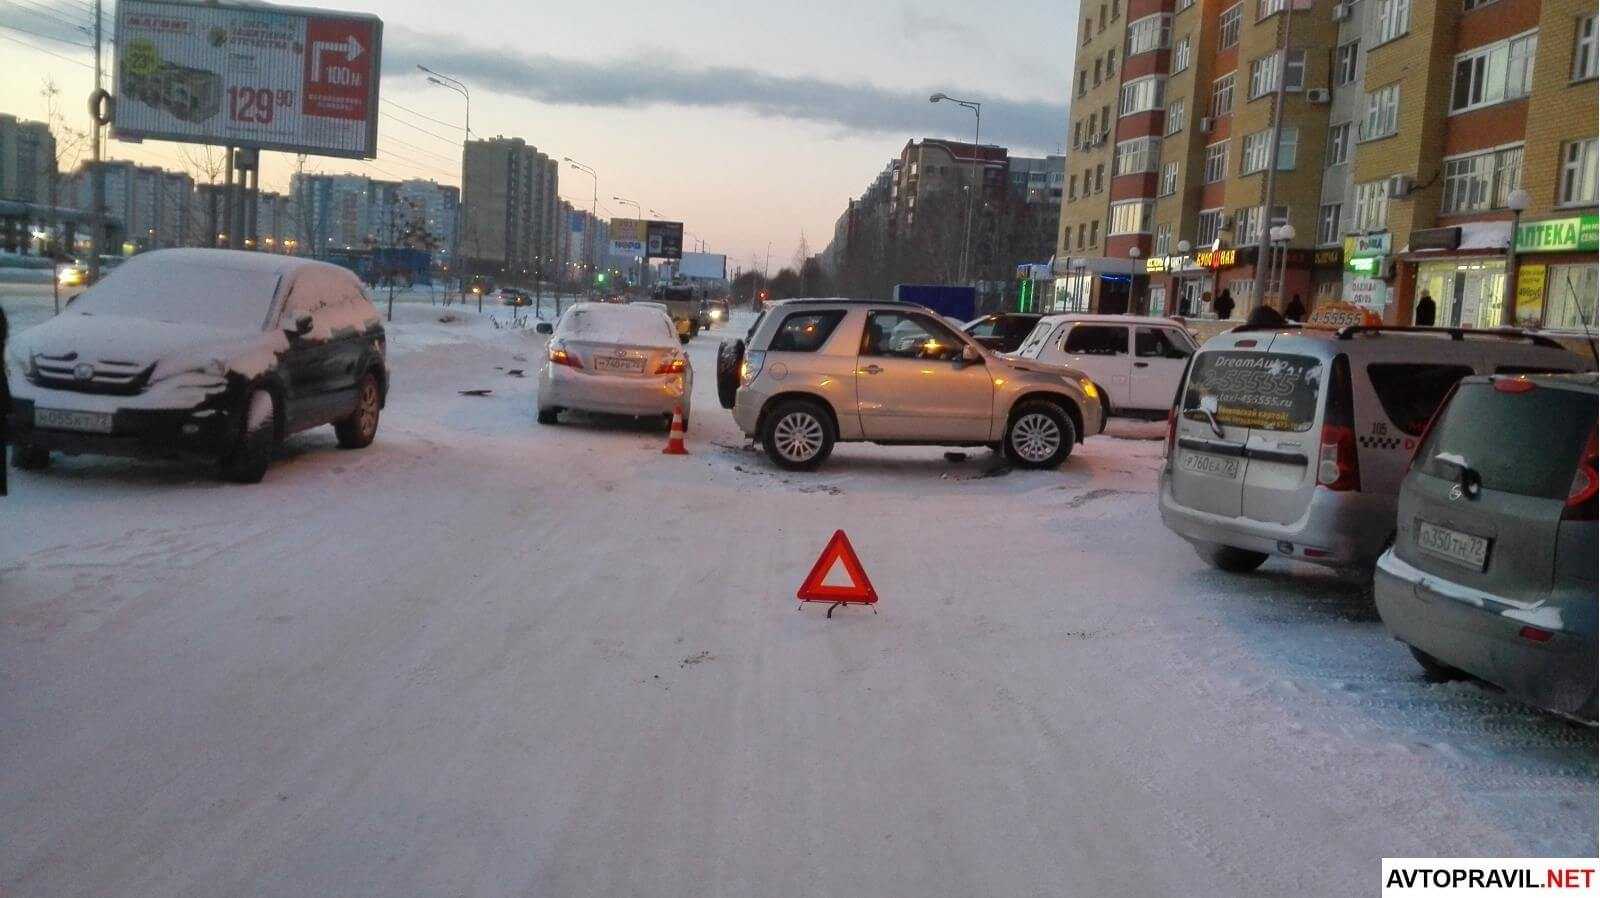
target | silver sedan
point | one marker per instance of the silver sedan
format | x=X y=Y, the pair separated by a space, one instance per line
x=614 y=359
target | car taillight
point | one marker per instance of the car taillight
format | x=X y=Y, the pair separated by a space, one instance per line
x=560 y=356
x=673 y=365
x=1172 y=429
x=1581 y=498
x=1337 y=465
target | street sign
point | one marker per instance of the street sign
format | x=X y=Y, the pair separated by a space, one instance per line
x=267 y=77
x=859 y=592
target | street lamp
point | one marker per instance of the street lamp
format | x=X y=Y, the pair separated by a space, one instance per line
x=1518 y=202
x=1133 y=273
x=977 y=126
x=460 y=87
x=592 y=252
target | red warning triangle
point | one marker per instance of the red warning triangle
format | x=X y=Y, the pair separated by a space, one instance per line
x=859 y=592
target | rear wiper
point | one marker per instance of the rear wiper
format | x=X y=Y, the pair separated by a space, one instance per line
x=1211 y=418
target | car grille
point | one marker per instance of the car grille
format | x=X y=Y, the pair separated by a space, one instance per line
x=68 y=372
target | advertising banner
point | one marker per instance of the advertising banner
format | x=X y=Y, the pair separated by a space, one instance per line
x=267 y=77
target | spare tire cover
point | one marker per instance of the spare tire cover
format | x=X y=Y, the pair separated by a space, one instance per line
x=730 y=356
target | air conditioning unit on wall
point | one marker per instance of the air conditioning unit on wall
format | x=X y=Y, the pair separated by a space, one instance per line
x=1399 y=186
x=1317 y=95
x=1341 y=11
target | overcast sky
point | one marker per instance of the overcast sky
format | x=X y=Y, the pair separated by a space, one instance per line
x=752 y=123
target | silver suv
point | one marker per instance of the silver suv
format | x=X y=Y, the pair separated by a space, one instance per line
x=1293 y=441
x=812 y=372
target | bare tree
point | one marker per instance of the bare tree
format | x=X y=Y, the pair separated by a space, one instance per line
x=70 y=145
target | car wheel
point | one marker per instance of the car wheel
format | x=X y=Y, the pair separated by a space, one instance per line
x=1040 y=435
x=548 y=415
x=798 y=435
x=1230 y=559
x=248 y=461
x=29 y=458
x=730 y=355
x=1434 y=670
x=359 y=430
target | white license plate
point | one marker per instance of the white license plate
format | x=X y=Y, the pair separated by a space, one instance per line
x=618 y=366
x=1210 y=465
x=60 y=419
x=1452 y=545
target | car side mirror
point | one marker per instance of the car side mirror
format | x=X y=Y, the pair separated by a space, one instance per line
x=970 y=355
x=544 y=327
x=300 y=326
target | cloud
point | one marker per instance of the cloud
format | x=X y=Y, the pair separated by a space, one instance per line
x=662 y=79
x=916 y=24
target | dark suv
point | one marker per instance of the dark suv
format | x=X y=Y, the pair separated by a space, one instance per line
x=200 y=352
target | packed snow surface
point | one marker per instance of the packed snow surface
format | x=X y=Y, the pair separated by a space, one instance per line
x=487 y=657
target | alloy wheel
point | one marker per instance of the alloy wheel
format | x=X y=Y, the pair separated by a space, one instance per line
x=798 y=436
x=1035 y=437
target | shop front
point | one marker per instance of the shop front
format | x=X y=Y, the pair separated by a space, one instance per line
x=1366 y=262
x=1184 y=285
x=1463 y=270
x=1556 y=273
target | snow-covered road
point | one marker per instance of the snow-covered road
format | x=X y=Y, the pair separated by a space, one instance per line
x=485 y=657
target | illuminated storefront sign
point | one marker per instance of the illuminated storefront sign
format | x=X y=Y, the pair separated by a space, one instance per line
x=1560 y=235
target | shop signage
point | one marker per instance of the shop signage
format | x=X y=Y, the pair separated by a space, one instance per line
x=1328 y=257
x=1367 y=245
x=1436 y=238
x=1155 y=264
x=1530 y=289
x=1369 y=293
x=1559 y=235
x=1216 y=258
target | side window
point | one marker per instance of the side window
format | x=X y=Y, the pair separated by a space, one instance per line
x=988 y=327
x=1019 y=327
x=1096 y=339
x=1410 y=393
x=805 y=331
x=1036 y=340
x=907 y=336
x=1158 y=343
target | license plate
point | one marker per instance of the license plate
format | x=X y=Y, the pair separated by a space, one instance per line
x=618 y=366
x=1210 y=465
x=1452 y=545
x=60 y=419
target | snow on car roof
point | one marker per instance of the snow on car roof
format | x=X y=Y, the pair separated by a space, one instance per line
x=229 y=258
x=646 y=325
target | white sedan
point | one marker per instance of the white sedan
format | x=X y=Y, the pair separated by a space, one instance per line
x=614 y=359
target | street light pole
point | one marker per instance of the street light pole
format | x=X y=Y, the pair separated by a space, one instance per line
x=1518 y=201
x=593 y=252
x=977 y=180
x=459 y=87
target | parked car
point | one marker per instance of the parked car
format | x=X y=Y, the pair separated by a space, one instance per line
x=815 y=372
x=615 y=359
x=513 y=296
x=1002 y=331
x=1137 y=362
x=1492 y=572
x=1293 y=440
x=201 y=352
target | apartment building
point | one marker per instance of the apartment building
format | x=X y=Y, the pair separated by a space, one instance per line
x=148 y=207
x=1408 y=130
x=27 y=160
x=1096 y=114
x=510 y=209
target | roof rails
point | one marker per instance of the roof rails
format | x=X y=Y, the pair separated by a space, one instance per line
x=1455 y=333
x=841 y=300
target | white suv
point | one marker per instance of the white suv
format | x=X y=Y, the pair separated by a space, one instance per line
x=1136 y=361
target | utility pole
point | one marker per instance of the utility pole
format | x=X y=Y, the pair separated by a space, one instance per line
x=1269 y=191
x=97 y=180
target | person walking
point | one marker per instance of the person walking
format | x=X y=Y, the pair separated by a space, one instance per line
x=1295 y=310
x=1224 y=305
x=1426 y=309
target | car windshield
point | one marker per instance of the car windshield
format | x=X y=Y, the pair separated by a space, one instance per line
x=183 y=293
x=641 y=325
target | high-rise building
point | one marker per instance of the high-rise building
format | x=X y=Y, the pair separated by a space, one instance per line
x=432 y=209
x=1408 y=133
x=146 y=207
x=509 y=209
x=27 y=160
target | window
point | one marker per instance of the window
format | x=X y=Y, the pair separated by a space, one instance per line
x=903 y=335
x=1099 y=177
x=1372 y=206
x=1158 y=343
x=1209 y=225
x=1344 y=63
x=1102 y=17
x=1083 y=228
x=1096 y=339
x=1264 y=73
x=1169 y=179
x=1480 y=420
x=1149 y=33
x=1132 y=217
x=1099 y=74
x=1583 y=49
x=1266 y=8
x=1494 y=73
x=1247 y=225
x=805 y=331
x=1077 y=134
x=1288 y=148
x=1184 y=4
x=1571 y=301
x=1094 y=232
x=1163 y=239
x=1394 y=17
x=1082 y=77
x=1116 y=8
x=1111 y=62
x=1269 y=391
x=1088 y=30
x=1181 y=53
x=1072 y=187
x=1228 y=26
x=1216 y=162
x=1177 y=113
x=1257 y=146
x=1578 y=173
x=1339 y=144
x=1411 y=392
x=1481 y=182
x=1134 y=156
x=1142 y=95
x=1383 y=113
x=1222 y=96
x=1328 y=224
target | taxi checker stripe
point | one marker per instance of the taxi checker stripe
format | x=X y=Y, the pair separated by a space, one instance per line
x=1380 y=442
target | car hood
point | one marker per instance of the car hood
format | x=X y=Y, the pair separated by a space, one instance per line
x=142 y=342
x=1033 y=366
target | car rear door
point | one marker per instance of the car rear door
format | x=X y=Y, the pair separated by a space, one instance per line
x=1160 y=355
x=1101 y=352
x=1291 y=395
x=912 y=385
x=1483 y=503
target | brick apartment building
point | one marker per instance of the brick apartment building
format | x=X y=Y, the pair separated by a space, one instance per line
x=510 y=210
x=1409 y=128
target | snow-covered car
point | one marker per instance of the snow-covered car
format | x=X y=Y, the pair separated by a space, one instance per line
x=1136 y=361
x=819 y=371
x=204 y=353
x=614 y=359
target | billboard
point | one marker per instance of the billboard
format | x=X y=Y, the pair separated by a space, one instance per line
x=269 y=77
x=627 y=236
x=650 y=239
x=711 y=266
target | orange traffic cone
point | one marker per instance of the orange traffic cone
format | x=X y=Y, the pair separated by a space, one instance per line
x=675 y=436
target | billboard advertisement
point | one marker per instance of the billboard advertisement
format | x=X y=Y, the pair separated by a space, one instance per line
x=664 y=239
x=710 y=266
x=268 y=77
x=628 y=236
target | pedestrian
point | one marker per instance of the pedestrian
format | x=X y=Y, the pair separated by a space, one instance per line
x=1295 y=310
x=1205 y=303
x=1264 y=316
x=5 y=404
x=1426 y=309
x=1224 y=304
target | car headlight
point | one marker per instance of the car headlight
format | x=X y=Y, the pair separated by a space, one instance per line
x=1089 y=389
